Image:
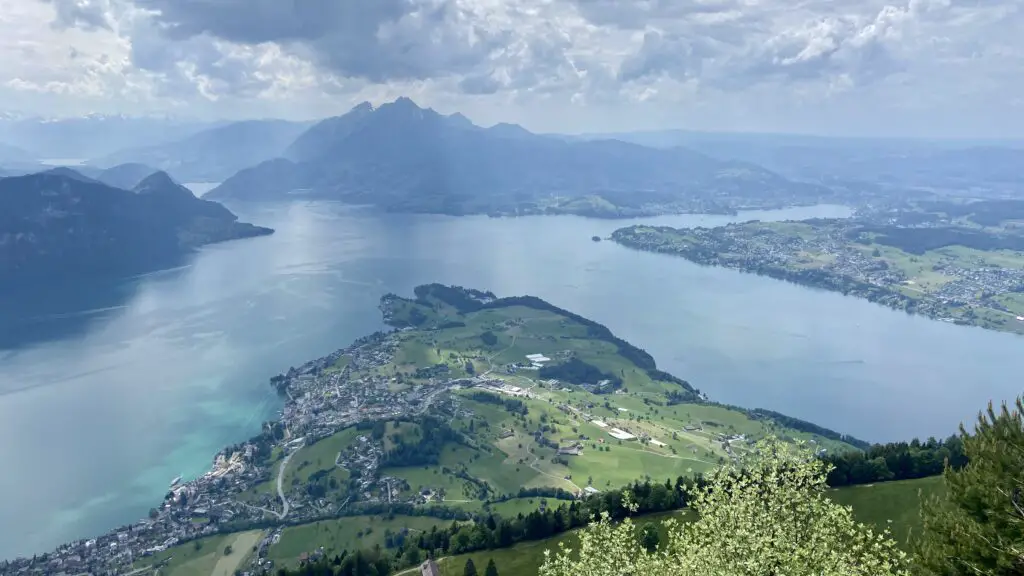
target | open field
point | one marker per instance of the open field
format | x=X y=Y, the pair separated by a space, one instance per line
x=874 y=505
x=350 y=533
x=241 y=547
x=896 y=501
x=524 y=506
x=205 y=557
x=319 y=457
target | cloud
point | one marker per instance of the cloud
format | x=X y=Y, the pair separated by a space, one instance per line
x=85 y=14
x=558 y=57
x=520 y=46
x=379 y=40
x=676 y=56
x=638 y=14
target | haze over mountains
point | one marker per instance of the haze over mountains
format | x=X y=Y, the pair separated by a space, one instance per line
x=215 y=154
x=983 y=166
x=61 y=224
x=92 y=136
x=401 y=157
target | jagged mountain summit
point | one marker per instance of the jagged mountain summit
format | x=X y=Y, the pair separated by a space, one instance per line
x=401 y=157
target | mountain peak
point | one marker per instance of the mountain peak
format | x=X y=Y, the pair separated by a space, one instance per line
x=405 y=101
x=362 y=107
x=458 y=119
x=66 y=172
x=403 y=104
x=157 y=182
x=509 y=130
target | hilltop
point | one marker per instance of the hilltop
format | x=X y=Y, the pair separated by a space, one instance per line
x=59 y=224
x=401 y=157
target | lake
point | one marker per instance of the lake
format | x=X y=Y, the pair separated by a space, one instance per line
x=108 y=390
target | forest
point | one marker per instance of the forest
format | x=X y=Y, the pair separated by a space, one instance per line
x=920 y=240
x=512 y=405
x=576 y=371
x=426 y=449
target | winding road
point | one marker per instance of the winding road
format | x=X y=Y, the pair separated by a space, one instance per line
x=280 y=489
x=280 y=482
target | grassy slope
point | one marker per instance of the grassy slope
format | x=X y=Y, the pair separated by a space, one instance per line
x=874 y=505
x=207 y=558
x=341 y=534
x=896 y=501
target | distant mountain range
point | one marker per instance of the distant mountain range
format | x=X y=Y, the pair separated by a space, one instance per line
x=61 y=223
x=93 y=136
x=963 y=167
x=124 y=176
x=401 y=157
x=214 y=154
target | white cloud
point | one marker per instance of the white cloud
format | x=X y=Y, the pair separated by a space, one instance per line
x=810 y=65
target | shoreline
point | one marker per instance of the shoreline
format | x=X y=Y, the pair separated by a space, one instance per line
x=826 y=280
x=236 y=469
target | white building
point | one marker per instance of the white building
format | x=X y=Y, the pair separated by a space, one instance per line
x=621 y=434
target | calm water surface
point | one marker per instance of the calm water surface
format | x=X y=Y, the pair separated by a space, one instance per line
x=110 y=390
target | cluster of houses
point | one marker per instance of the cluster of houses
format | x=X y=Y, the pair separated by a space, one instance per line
x=324 y=396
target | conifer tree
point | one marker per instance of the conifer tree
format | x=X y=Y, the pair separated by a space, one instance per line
x=977 y=526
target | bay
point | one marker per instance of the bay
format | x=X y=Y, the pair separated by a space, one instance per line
x=108 y=390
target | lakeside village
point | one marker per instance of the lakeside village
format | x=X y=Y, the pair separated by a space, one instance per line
x=322 y=400
x=961 y=286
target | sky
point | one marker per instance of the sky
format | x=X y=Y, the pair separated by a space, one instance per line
x=927 y=68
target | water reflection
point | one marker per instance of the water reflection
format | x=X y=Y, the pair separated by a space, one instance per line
x=47 y=311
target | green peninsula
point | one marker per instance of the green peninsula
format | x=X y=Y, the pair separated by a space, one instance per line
x=476 y=422
x=968 y=275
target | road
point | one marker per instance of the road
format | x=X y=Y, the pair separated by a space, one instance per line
x=416 y=569
x=280 y=489
x=280 y=481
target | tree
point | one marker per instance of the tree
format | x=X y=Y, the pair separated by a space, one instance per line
x=492 y=569
x=768 y=515
x=470 y=569
x=977 y=526
x=228 y=550
x=649 y=538
x=412 y=556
